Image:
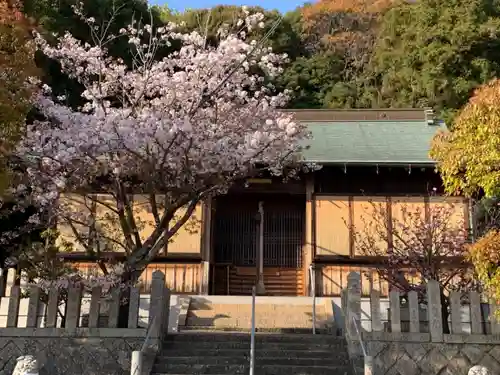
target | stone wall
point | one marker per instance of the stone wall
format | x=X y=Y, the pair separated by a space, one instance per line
x=92 y=353
x=408 y=349
x=414 y=354
x=70 y=348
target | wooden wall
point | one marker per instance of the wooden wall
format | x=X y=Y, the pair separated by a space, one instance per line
x=332 y=279
x=181 y=278
x=337 y=217
x=186 y=241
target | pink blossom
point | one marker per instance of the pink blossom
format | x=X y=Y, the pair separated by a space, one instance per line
x=186 y=126
x=422 y=247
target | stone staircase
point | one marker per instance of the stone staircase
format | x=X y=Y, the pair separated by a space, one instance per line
x=272 y=314
x=201 y=352
x=214 y=338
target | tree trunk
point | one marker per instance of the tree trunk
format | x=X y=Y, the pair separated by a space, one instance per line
x=445 y=313
x=124 y=308
x=129 y=278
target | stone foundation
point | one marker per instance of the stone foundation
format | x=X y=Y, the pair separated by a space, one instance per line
x=414 y=354
x=59 y=355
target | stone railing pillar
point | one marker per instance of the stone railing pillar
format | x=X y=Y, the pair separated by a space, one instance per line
x=353 y=312
x=157 y=307
x=368 y=365
x=434 y=311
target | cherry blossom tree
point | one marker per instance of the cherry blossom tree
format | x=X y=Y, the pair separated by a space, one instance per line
x=412 y=246
x=173 y=130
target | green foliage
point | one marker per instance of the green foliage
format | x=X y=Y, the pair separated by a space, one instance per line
x=42 y=261
x=311 y=79
x=17 y=64
x=11 y=219
x=486 y=215
x=434 y=53
x=469 y=157
x=57 y=16
x=284 y=39
x=343 y=54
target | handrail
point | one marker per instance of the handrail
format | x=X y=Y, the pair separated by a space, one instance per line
x=252 y=333
x=137 y=356
x=312 y=280
x=148 y=334
x=363 y=349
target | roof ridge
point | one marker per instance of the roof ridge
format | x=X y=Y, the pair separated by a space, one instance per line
x=414 y=114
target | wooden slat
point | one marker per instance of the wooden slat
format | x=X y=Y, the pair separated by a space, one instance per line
x=181 y=278
x=334 y=279
x=278 y=281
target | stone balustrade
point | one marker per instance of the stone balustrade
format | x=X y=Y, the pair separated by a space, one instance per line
x=390 y=349
x=82 y=344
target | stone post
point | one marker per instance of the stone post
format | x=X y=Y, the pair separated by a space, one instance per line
x=456 y=313
x=13 y=309
x=475 y=313
x=434 y=311
x=133 y=310
x=156 y=306
x=495 y=324
x=10 y=282
x=343 y=307
x=73 y=308
x=26 y=365
x=377 y=325
x=479 y=370
x=52 y=306
x=34 y=298
x=395 y=312
x=136 y=363
x=414 y=312
x=368 y=365
x=353 y=314
x=166 y=311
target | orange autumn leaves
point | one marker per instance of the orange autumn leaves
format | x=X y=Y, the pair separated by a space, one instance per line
x=469 y=162
x=342 y=21
x=16 y=66
x=358 y=6
x=485 y=255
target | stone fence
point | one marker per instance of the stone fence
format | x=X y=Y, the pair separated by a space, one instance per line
x=413 y=341
x=65 y=341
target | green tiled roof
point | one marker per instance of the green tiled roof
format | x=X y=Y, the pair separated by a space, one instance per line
x=370 y=142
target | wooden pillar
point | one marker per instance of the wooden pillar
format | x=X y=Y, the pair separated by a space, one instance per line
x=206 y=245
x=308 y=249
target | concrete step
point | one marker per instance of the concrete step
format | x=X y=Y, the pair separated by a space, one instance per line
x=258 y=329
x=260 y=370
x=261 y=359
x=243 y=345
x=227 y=353
x=197 y=337
x=267 y=315
x=261 y=352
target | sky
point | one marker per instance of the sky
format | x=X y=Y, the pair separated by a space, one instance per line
x=180 y=5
